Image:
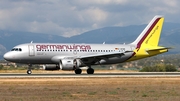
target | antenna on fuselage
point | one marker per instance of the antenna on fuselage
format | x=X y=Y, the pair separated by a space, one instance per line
x=31 y=41
x=104 y=42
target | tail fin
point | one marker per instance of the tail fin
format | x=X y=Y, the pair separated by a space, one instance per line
x=151 y=34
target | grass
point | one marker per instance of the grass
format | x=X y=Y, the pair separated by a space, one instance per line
x=90 y=89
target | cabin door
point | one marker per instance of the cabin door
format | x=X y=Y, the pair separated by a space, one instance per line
x=31 y=50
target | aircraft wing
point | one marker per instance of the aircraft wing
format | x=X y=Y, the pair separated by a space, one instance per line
x=104 y=55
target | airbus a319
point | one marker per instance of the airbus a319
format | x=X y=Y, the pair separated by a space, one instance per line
x=65 y=56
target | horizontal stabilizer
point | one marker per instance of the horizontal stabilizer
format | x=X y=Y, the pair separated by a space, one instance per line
x=158 y=48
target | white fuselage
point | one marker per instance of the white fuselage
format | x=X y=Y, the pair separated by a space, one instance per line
x=50 y=53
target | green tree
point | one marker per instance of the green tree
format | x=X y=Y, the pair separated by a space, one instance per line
x=159 y=68
x=1 y=67
x=170 y=68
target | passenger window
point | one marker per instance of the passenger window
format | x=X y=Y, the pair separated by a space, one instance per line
x=20 y=49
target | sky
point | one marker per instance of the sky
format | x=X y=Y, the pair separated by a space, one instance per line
x=73 y=17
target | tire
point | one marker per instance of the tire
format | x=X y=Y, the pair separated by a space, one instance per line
x=90 y=71
x=78 y=71
x=29 y=72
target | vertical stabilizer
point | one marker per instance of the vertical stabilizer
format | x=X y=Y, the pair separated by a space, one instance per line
x=151 y=34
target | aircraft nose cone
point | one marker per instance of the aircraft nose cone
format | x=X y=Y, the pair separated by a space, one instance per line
x=7 y=56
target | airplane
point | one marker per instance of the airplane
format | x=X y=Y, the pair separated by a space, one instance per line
x=66 y=56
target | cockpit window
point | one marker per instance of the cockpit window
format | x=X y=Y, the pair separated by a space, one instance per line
x=16 y=49
x=12 y=49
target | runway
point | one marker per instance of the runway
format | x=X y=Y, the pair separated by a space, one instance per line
x=102 y=75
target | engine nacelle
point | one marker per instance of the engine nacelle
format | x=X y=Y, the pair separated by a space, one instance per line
x=66 y=64
x=70 y=64
x=78 y=63
x=51 y=67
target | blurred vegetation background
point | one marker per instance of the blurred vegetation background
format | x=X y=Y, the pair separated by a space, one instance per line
x=160 y=63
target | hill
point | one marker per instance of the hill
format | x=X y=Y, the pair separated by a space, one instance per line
x=170 y=36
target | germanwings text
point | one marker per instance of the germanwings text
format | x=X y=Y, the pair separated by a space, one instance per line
x=72 y=47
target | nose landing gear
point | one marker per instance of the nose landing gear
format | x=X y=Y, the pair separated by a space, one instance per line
x=29 y=69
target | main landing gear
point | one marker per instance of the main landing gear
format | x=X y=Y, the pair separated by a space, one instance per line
x=89 y=71
x=78 y=71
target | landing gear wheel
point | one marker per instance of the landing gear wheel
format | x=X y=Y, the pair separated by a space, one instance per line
x=29 y=71
x=78 y=71
x=90 y=71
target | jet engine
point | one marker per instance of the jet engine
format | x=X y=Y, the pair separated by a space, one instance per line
x=65 y=64
x=78 y=63
x=70 y=64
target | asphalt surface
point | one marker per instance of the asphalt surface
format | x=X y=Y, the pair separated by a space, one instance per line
x=135 y=74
